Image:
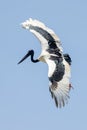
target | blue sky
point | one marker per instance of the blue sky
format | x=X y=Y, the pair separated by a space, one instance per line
x=25 y=101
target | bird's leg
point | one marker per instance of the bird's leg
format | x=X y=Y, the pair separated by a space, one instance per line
x=70 y=86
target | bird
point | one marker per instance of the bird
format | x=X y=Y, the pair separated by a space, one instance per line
x=59 y=64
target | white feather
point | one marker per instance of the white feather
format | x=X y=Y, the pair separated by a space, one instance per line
x=62 y=90
x=37 y=23
x=51 y=67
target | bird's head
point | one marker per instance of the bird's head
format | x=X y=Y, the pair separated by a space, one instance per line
x=30 y=52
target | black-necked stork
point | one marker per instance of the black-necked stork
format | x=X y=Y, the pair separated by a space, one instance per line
x=52 y=54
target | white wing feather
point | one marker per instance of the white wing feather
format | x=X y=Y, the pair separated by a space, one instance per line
x=35 y=23
x=60 y=92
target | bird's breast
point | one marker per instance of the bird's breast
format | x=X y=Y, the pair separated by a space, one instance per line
x=42 y=58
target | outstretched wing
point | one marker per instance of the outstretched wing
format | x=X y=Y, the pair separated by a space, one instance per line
x=60 y=83
x=46 y=36
x=60 y=89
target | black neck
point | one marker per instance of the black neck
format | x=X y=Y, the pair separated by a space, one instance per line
x=32 y=55
x=34 y=61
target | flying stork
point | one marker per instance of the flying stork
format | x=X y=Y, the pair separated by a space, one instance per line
x=52 y=54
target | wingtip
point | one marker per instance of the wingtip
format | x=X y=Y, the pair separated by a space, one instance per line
x=25 y=24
